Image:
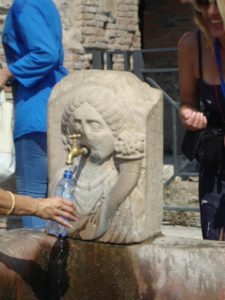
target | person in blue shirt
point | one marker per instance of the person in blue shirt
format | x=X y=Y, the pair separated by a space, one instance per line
x=32 y=41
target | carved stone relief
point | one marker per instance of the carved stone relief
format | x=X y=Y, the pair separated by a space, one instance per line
x=112 y=113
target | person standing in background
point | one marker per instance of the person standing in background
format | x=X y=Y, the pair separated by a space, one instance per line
x=32 y=41
x=202 y=81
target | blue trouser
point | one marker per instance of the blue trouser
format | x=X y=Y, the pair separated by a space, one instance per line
x=212 y=203
x=32 y=171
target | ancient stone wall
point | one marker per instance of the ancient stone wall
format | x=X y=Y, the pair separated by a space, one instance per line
x=88 y=24
x=4 y=6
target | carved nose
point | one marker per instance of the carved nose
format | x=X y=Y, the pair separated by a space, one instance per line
x=85 y=136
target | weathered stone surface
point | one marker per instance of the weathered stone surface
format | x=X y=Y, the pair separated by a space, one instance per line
x=5 y=4
x=36 y=266
x=162 y=269
x=119 y=184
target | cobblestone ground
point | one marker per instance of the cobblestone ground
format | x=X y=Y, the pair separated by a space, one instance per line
x=182 y=194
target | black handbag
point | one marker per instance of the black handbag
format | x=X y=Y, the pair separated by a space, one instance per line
x=206 y=146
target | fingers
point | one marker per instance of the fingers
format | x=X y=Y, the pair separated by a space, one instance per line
x=66 y=209
x=65 y=214
x=193 y=120
x=197 y=120
x=55 y=207
x=68 y=206
x=63 y=222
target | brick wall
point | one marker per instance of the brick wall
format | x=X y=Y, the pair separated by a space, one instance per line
x=111 y=24
x=3 y=12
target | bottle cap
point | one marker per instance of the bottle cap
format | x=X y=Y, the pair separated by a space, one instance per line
x=68 y=174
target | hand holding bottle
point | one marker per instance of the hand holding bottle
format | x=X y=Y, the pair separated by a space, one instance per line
x=66 y=189
x=57 y=209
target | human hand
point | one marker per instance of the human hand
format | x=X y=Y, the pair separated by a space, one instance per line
x=5 y=76
x=192 y=119
x=56 y=209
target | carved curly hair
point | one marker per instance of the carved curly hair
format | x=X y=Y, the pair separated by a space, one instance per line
x=127 y=145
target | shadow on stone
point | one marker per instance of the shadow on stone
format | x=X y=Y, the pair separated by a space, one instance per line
x=30 y=269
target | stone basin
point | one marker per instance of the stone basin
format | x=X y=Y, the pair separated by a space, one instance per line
x=34 y=265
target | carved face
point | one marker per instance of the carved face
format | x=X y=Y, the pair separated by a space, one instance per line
x=96 y=134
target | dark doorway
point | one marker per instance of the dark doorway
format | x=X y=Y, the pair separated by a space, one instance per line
x=162 y=22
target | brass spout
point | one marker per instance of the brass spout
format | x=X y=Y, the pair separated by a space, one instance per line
x=75 y=149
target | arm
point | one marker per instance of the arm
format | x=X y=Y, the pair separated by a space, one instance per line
x=53 y=208
x=189 y=113
x=41 y=46
x=129 y=174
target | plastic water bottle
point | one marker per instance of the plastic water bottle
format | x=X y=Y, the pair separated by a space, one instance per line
x=65 y=189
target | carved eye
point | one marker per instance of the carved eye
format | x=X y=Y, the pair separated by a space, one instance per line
x=94 y=125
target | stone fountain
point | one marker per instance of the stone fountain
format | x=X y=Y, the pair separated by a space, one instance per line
x=119 y=119
x=115 y=250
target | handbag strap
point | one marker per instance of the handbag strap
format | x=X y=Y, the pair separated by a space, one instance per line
x=219 y=64
x=217 y=47
x=200 y=67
